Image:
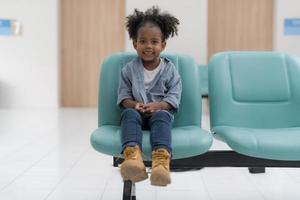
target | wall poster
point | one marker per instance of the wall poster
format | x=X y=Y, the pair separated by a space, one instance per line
x=10 y=27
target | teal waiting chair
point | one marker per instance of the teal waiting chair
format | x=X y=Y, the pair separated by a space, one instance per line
x=188 y=139
x=254 y=100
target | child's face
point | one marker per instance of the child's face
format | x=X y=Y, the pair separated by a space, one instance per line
x=149 y=44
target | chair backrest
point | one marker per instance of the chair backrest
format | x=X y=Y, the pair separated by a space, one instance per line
x=190 y=106
x=254 y=89
x=203 y=70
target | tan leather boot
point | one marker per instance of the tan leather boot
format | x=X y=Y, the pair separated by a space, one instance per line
x=133 y=167
x=160 y=175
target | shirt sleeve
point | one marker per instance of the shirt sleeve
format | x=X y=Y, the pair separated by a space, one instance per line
x=125 y=87
x=174 y=87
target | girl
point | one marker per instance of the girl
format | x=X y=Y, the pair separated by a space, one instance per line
x=149 y=92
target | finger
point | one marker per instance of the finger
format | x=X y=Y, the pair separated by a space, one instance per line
x=145 y=106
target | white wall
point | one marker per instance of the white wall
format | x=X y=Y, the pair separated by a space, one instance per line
x=286 y=43
x=28 y=63
x=192 y=31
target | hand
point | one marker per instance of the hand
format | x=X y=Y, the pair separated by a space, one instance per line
x=139 y=107
x=152 y=107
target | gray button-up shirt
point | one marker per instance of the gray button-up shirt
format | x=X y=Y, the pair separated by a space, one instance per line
x=166 y=86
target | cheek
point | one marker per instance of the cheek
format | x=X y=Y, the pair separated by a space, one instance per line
x=138 y=48
x=159 y=48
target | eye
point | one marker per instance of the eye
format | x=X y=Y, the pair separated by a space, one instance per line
x=142 y=41
x=154 y=42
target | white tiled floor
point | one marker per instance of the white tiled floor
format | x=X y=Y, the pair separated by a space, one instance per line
x=46 y=154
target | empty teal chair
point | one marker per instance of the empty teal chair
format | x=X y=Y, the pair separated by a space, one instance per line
x=254 y=102
x=188 y=139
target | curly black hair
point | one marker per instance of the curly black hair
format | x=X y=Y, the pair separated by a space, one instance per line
x=165 y=21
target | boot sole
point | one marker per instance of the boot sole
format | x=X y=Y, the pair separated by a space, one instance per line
x=134 y=174
x=158 y=180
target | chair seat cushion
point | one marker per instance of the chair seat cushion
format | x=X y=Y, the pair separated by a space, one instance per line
x=276 y=143
x=187 y=141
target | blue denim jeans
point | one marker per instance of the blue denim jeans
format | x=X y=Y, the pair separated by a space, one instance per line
x=159 y=124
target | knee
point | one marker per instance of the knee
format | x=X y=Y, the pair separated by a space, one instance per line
x=130 y=113
x=161 y=115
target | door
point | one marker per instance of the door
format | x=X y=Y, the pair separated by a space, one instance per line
x=90 y=30
x=240 y=25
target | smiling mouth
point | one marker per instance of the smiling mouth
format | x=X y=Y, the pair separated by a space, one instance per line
x=148 y=53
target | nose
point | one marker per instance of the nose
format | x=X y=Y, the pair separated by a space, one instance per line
x=148 y=44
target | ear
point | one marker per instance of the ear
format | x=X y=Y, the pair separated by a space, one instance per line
x=134 y=43
x=164 y=43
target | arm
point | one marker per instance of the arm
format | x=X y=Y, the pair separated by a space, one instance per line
x=154 y=106
x=174 y=86
x=129 y=103
x=124 y=90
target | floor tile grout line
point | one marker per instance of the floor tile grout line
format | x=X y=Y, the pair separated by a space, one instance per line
x=15 y=151
x=23 y=147
x=250 y=179
x=205 y=187
x=63 y=176
x=102 y=194
x=28 y=168
x=105 y=187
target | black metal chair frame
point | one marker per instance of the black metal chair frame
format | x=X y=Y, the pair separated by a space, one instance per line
x=218 y=158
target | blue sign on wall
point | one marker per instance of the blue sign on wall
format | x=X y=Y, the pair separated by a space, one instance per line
x=292 y=26
x=5 y=27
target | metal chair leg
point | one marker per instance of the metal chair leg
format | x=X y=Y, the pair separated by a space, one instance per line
x=129 y=191
x=133 y=196
x=257 y=170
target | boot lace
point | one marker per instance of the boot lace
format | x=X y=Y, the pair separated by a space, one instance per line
x=130 y=153
x=160 y=158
